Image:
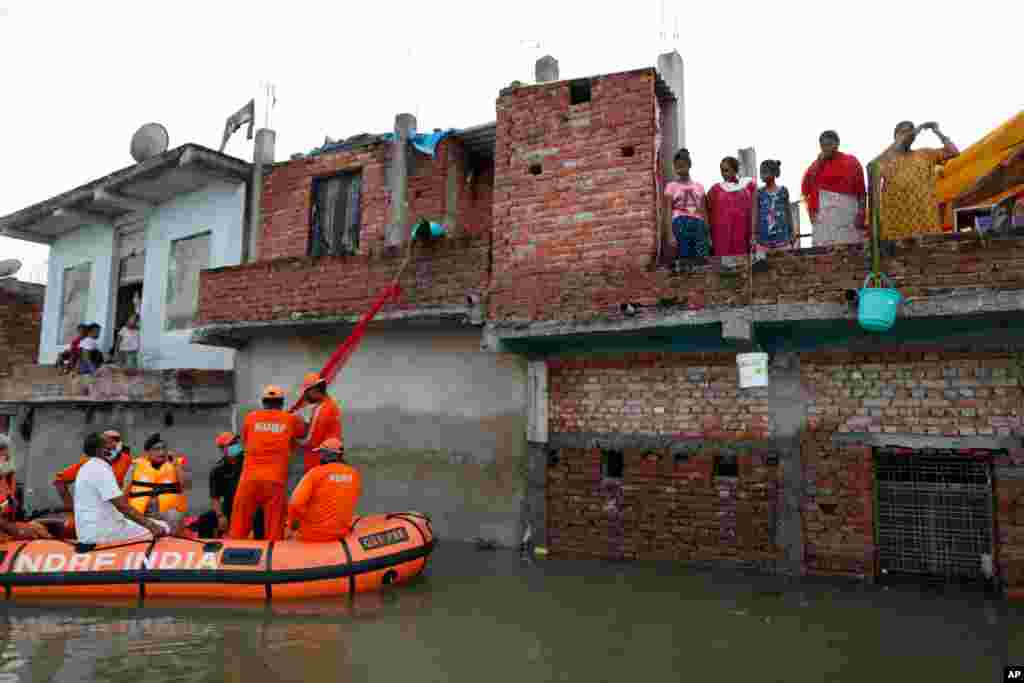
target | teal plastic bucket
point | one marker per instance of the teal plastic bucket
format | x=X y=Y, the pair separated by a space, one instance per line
x=877 y=306
x=424 y=229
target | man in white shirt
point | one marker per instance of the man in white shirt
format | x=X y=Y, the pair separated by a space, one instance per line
x=102 y=511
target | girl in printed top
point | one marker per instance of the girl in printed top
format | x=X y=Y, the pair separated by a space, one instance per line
x=774 y=221
x=688 y=206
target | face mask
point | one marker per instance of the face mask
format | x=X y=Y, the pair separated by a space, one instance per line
x=117 y=450
x=234 y=450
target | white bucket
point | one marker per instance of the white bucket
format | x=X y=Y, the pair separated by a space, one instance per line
x=753 y=369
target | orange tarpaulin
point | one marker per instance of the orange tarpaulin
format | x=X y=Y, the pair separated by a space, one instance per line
x=978 y=160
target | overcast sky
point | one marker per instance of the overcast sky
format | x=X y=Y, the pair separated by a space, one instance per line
x=77 y=79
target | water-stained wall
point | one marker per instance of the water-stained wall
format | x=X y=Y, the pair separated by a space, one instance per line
x=434 y=423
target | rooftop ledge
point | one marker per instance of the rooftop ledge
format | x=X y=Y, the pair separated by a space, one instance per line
x=43 y=384
x=977 y=313
x=236 y=335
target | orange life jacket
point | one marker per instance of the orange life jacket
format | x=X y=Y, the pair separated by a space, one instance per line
x=145 y=476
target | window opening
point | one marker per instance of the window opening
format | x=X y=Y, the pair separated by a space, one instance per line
x=336 y=215
x=612 y=464
x=726 y=466
x=188 y=257
x=535 y=169
x=579 y=92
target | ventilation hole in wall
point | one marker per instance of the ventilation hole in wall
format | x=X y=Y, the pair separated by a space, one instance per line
x=612 y=464
x=681 y=458
x=628 y=151
x=553 y=459
x=579 y=92
x=726 y=466
x=535 y=169
x=169 y=419
x=418 y=194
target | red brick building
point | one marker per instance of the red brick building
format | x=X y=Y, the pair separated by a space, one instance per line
x=21 y=317
x=867 y=453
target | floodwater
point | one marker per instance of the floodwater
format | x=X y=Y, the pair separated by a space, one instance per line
x=491 y=616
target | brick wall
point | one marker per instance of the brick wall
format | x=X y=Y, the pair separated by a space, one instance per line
x=664 y=507
x=932 y=265
x=667 y=507
x=939 y=393
x=1010 y=531
x=589 y=205
x=443 y=273
x=690 y=395
x=288 y=196
x=21 y=322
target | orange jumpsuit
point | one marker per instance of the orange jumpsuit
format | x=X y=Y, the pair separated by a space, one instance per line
x=326 y=424
x=324 y=502
x=268 y=436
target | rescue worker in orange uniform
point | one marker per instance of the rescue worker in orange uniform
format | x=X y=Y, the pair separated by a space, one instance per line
x=326 y=421
x=268 y=437
x=121 y=462
x=323 y=504
x=11 y=524
x=156 y=483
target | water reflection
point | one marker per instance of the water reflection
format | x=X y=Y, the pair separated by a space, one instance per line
x=489 y=615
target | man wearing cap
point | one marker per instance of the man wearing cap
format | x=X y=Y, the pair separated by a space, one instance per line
x=120 y=462
x=268 y=436
x=156 y=483
x=224 y=480
x=324 y=502
x=326 y=421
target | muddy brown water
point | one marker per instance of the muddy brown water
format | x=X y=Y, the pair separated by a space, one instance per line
x=491 y=616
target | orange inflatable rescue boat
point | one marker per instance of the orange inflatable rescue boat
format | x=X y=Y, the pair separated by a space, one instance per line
x=381 y=550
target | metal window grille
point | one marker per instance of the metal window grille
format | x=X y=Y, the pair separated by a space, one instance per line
x=934 y=513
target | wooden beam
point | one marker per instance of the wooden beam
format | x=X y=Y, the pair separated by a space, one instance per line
x=121 y=202
x=537 y=402
x=81 y=217
x=26 y=236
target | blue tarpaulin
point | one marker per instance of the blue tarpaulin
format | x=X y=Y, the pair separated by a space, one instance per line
x=424 y=142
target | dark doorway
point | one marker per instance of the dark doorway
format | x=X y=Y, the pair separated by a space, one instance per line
x=934 y=515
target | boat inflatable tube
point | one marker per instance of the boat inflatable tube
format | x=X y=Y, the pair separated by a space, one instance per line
x=380 y=550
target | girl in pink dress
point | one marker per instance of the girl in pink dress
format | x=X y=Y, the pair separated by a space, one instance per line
x=731 y=207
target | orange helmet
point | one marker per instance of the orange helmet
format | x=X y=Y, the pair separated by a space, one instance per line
x=224 y=439
x=271 y=391
x=311 y=380
x=331 y=444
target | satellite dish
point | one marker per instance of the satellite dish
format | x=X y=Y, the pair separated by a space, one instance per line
x=9 y=267
x=149 y=141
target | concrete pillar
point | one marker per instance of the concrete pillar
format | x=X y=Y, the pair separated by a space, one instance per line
x=537 y=402
x=546 y=69
x=748 y=162
x=788 y=406
x=398 y=229
x=262 y=157
x=670 y=66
